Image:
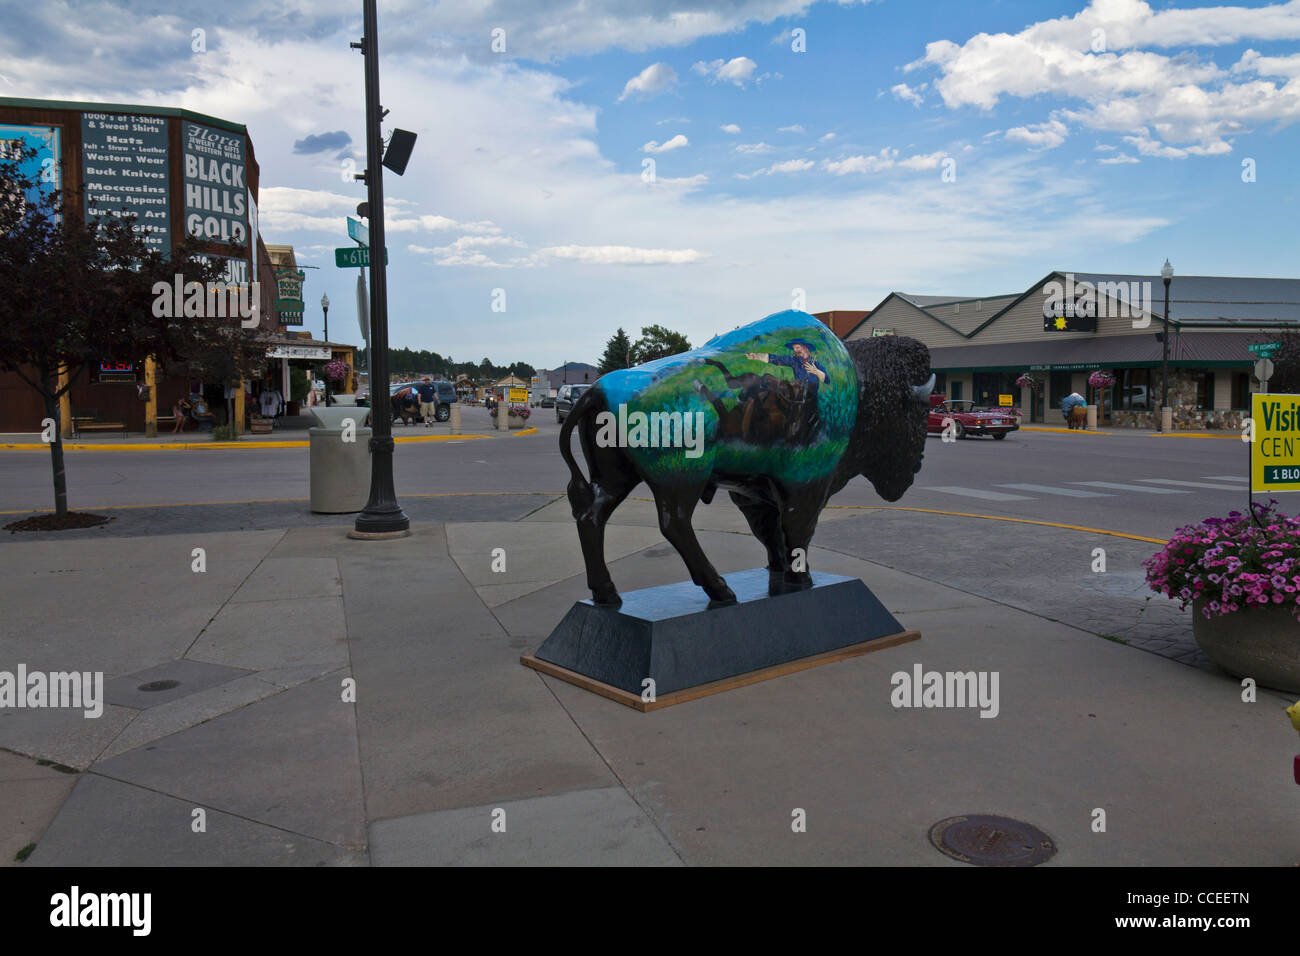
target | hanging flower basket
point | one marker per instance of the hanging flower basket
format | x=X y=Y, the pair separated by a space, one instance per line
x=1028 y=381
x=1101 y=380
x=337 y=370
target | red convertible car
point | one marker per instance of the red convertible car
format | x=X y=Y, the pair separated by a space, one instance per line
x=969 y=420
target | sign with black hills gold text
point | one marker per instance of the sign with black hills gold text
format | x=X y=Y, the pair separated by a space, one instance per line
x=216 y=190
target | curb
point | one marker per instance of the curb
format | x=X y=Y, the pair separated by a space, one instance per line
x=1126 y=433
x=217 y=445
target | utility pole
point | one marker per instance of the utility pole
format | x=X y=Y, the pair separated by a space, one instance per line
x=383 y=516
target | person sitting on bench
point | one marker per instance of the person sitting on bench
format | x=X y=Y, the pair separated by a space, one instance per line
x=201 y=415
x=180 y=412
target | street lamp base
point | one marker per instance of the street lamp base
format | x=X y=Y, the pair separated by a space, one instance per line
x=376 y=524
x=378 y=535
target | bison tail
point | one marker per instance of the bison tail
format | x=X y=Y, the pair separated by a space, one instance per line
x=581 y=494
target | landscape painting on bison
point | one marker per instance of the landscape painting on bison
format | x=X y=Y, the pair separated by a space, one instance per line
x=780 y=436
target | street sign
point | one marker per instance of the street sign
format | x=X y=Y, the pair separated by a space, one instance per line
x=358 y=231
x=1006 y=401
x=1275 y=452
x=1264 y=369
x=518 y=394
x=351 y=258
x=1264 y=349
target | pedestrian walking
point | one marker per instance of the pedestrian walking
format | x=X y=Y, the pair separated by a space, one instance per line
x=428 y=401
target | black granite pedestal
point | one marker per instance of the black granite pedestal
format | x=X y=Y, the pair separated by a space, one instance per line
x=671 y=635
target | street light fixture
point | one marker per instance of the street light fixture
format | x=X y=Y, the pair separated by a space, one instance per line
x=325 y=307
x=1167 y=274
x=383 y=516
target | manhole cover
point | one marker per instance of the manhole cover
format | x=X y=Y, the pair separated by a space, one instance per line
x=992 y=841
x=159 y=685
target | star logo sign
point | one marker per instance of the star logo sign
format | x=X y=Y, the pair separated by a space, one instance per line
x=1060 y=322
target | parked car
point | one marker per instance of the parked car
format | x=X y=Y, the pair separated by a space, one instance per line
x=565 y=400
x=446 y=396
x=969 y=419
x=548 y=401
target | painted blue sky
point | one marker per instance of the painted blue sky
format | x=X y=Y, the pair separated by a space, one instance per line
x=1097 y=137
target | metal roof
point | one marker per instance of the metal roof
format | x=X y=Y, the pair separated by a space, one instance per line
x=1214 y=297
x=1199 y=348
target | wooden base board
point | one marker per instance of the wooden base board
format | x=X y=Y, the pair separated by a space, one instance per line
x=634 y=701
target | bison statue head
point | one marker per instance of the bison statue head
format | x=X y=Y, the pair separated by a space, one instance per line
x=894 y=385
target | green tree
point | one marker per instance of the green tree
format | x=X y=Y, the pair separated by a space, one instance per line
x=1286 y=363
x=656 y=342
x=618 y=353
x=80 y=289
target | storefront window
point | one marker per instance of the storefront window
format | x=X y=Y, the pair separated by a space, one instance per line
x=1133 y=389
x=1241 y=390
x=1205 y=390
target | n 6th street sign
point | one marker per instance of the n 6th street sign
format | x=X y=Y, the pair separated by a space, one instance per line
x=354 y=257
x=1275 y=454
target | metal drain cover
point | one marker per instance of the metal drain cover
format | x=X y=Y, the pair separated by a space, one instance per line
x=156 y=685
x=983 y=840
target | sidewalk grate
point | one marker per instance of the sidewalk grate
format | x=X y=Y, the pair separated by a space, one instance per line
x=983 y=840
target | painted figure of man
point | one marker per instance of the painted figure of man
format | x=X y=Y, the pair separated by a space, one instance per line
x=807 y=370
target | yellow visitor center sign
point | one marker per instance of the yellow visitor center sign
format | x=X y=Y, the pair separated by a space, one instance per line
x=1006 y=401
x=518 y=394
x=1275 y=451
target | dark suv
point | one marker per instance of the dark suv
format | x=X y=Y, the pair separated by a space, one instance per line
x=567 y=398
x=446 y=396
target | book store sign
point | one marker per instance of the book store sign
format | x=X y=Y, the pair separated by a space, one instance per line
x=216 y=194
x=298 y=352
x=288 y=291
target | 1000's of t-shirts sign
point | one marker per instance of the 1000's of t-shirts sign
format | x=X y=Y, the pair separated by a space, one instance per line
x=124 y=167
x=216 y=191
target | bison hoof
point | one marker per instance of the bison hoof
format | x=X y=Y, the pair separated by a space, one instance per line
x=718 y=597
x=797 y=580
x=606 y=597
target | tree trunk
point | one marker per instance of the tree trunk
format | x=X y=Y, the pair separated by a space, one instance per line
x=56 y=453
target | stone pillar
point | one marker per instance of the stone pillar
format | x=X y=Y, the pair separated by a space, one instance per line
x=455 y=418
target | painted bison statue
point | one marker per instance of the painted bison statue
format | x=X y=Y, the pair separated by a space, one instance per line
x=780 y=413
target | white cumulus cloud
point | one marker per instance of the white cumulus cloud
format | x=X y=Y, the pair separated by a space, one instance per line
x=655 y=78
x=677 y=142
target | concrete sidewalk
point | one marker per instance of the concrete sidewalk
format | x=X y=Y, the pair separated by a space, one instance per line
x=449 y=733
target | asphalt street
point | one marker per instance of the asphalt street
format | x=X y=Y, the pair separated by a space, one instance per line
x=1118 y=481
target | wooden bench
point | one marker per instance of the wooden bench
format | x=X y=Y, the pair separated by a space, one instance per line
x=89 y=421
x=167 y=422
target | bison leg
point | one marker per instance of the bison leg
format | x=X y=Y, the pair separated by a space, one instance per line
x=765 y=521
x=799 y=521
x=675 y=508
x=612 y=480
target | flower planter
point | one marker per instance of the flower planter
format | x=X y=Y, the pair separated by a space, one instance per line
x=1258 y=642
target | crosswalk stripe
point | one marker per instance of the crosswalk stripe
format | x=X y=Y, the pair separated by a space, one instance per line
x=977 y=493
x=1191 y=484
x=1122 y=487
x=1066 y=492
x=1241 y=478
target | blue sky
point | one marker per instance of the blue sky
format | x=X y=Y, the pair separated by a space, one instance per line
x=1102 y=137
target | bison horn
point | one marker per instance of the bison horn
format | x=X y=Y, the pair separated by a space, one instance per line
x=921 y=393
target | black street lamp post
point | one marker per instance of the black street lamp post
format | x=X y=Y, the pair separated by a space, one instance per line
x=383 y=516
x=1167 y=274
x=325 y=307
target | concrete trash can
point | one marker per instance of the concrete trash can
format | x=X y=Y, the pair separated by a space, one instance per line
x=340 y=470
